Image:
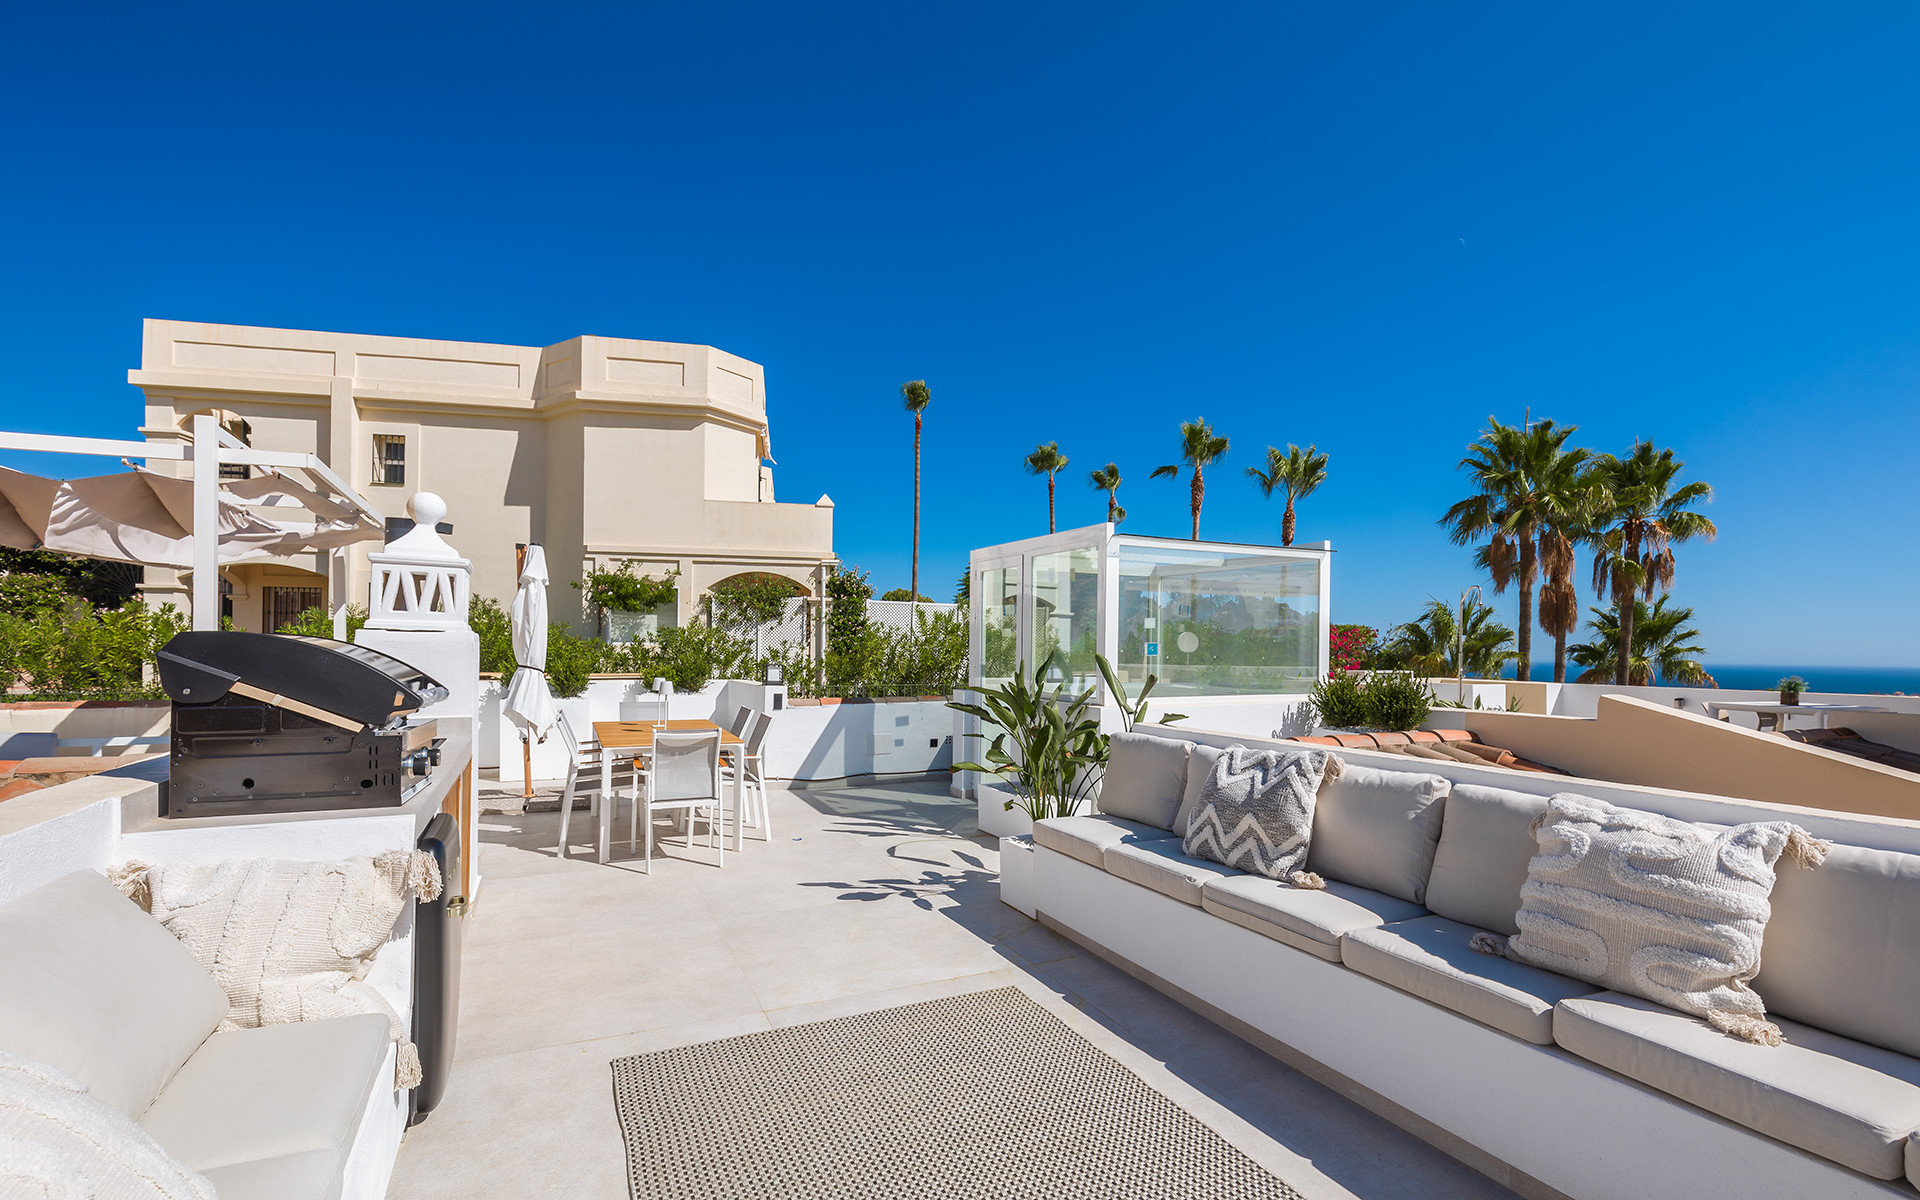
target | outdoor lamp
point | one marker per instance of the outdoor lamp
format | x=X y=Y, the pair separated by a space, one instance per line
x=773 y=673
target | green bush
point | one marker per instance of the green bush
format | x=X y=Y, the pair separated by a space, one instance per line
x=75 y=650
x=495 y=629
x=318 y=622
x=572 y=661
x=623 y=589
x=1397 y=700
x=1337 y=700
x=756 y=599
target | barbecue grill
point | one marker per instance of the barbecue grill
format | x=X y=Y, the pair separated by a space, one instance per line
x=272 y=723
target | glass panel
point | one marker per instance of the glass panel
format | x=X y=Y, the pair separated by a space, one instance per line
x=999 y=624
x=1218 y=623
x=1066 y=601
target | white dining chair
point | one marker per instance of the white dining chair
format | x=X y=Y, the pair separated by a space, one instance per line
x=682 y=775
x=584 y=778
x=751 y=760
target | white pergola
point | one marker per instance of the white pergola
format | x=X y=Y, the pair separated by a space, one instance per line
x=256 y=509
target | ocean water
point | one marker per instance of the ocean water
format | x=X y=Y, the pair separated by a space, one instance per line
x=1884 y=681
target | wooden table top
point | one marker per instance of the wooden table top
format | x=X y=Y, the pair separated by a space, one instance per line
x=638 y=735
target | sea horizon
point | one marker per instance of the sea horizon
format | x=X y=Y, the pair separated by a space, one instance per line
x=1868 y=681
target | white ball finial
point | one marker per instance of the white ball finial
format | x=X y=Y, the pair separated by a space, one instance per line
x=423 y=541
x=427 y=509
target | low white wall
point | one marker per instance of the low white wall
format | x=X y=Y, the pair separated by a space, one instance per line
x=814 y=742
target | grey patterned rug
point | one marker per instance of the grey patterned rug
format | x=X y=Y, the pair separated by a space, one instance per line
x=982 y=1095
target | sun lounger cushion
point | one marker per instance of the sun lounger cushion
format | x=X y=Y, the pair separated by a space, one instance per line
x=1164 y=867
x=1378 y=829
x=1656 y=907
x=100 y=991
x=313 y=1175
x=1429 y=957
x=1199 y=766
x=1307 y=919
x=1087 y=838
x=1841 y=1099
x=1145 y=778
x=271 y=1091
x=1843 y=947
x=1481 y=861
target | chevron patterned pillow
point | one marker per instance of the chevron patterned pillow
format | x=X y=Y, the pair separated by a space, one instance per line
x=1255 y=811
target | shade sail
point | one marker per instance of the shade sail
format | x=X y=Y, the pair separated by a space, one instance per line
x=142 y=517
x=529 y=702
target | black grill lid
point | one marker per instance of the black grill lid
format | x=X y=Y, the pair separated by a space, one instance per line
x=362 y=685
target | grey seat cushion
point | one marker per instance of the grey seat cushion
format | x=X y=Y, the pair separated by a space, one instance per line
x=1378 y=829
x=1481 y=862
x=310 y=1175
x=1913 y=1160
x=1164 y=867
x=1842 y=948
x=253 y=1094
x=1087 y=838
x=1828 y=1095
x=1145 y=778
x=1429 y=957
x=96 y=987
x=1304 y=918
x=1199 y=765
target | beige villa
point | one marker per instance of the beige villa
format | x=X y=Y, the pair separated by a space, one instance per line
x=603 y=450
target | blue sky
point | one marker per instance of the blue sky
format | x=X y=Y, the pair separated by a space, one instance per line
x=1367 y=227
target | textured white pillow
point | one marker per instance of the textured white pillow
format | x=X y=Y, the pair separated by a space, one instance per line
x=57 y=1141
x=291 y=941
x=1655 y=907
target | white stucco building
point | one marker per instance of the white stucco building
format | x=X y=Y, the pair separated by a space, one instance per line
x=603 y=450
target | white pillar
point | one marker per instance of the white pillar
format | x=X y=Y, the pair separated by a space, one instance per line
x=206 y=522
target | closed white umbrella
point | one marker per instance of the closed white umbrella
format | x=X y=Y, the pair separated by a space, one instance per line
x=529 y=702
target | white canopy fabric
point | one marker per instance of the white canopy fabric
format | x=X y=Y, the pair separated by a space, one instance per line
x=143 y=517
x=529 y=701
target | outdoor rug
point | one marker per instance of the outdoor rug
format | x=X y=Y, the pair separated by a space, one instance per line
x=982 y=1095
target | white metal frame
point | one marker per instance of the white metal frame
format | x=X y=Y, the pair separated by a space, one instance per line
x=225 y=448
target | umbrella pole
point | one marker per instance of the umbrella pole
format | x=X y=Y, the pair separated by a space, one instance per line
x=526 y=759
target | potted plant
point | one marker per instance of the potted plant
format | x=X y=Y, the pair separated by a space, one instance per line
x=1048 y=756
x=1790 y=689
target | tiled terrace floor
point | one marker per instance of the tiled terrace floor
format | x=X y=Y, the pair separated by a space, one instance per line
x=870 y=897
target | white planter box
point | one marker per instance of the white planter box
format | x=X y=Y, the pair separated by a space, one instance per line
x=995 y=818
x=1016 y=875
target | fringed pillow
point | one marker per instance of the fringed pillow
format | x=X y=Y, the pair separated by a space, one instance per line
x=58 y=1140
x=1655 y=907
x=1255 y=811
x=291 y=941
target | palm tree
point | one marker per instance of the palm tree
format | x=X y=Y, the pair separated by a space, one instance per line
x=1665 y=647
x=1047 y=460
x=1643 y=515
x=1528 y=484
x=1199 y=446
x=916 y=395
x=1107 y=479
x=1430 y=644
x=1299 y=471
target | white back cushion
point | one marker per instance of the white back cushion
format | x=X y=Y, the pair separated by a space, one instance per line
x=99 y=990
x=1842 y=950
x=1378 y=829
x=1145 y=779
x=1480 y=865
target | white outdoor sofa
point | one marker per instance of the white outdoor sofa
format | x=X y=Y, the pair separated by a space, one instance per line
x=1545 y=1083
x=99 y=989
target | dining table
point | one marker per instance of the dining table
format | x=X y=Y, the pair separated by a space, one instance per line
x=634 y=739
x=1723 y=709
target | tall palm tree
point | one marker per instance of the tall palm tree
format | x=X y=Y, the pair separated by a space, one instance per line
x=1199 y=447
x=1643 y=515
x=1107 y=479
x=916 y=395
x=1665 y=647
x=1528 y=483
x=1299 y=471
x=1047 y=460
x=1430 y=644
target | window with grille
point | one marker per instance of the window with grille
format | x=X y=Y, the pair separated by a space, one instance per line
x=243 y=432
x=389 y=458
x=282 y=606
